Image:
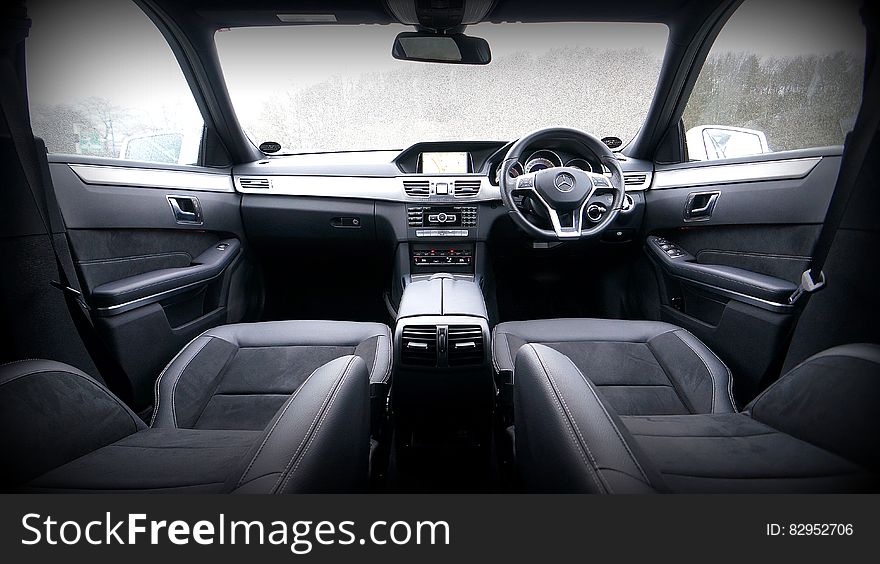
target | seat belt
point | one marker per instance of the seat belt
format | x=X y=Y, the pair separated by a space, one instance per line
x=855 y=152
x=36 y=174
x=26 y=149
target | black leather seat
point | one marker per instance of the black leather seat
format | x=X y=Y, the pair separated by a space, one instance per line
x=814 y=430
x=60 y=430
x=639 y=367
x=238 y=376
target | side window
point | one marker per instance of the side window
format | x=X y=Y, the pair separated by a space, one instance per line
x=102 y=81
x=781 y=75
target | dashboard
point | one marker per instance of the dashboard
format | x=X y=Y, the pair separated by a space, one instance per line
x=419 y=195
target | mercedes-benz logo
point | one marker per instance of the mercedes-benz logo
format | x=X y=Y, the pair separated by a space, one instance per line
x=564 y=182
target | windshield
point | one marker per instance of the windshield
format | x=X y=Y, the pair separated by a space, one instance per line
x=337 y=88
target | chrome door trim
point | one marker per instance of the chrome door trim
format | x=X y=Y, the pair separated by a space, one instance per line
x=712 y=174
x=153 y=178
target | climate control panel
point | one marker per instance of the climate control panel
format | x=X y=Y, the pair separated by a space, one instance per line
x=441 y=257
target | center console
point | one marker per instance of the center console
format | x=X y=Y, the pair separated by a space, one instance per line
x=443 y=379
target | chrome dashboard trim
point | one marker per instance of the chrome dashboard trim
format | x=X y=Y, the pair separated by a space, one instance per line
x=366 y=187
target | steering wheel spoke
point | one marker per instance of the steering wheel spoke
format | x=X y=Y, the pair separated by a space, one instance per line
x=565 y=225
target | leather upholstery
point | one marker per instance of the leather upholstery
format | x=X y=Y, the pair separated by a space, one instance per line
x=566 y=438
x=814 y=430
x=41 y=403
x=639 y=367
x=239 y=376
x=64 y=432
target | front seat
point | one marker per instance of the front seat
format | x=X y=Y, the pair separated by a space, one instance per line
x=814 y=430
x=639 y=367
x=238 y=376
x=62 y=431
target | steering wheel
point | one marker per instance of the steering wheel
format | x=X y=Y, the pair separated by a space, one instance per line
x=564 y=192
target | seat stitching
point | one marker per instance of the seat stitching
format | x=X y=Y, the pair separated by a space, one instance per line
x=387 y=374
x=274 y=425
x=179 y=376
x=729 y=373
x=314 y=433
x=504 y=334
x=509 y=352
x=611 y=421
x=706 y=365
x=220 y=377
x=495 y=340
x=682 y=397
x=584 y=450
x=390 y=356
x=161 y=374
x=376 y=355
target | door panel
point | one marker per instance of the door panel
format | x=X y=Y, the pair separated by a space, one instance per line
x=155 y=278
x=727 y=277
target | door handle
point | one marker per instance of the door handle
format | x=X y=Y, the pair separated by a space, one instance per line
x=700 y=205
x=186 y=209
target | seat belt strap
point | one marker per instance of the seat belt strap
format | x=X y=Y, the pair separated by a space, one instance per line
x=854 y=154
x=26 y=149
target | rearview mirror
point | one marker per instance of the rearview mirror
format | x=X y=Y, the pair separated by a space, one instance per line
x=455 y=48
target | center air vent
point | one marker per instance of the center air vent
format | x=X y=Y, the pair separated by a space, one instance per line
x=419 y=345
x=465 y=345
x=251 y=183
x=417 y=188
x=466 y=188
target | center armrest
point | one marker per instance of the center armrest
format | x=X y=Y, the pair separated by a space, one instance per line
x=442 y=294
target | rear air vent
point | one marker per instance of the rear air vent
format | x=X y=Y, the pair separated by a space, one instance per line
x=466 y=188
x=417 y=188
x=251 y=183
x=636 y=180
x=419 y=345
x=465 y=345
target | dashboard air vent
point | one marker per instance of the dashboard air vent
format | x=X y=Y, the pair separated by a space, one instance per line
x=415 y=216
x=251 y=183
x=419 y=345
x=466 y=188
x=465 y=345
x=636 y=179
x=417 y=188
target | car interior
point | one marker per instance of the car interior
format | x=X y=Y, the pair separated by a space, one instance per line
x=678 y=296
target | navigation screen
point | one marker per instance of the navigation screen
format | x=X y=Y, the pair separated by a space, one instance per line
x=445 y=163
